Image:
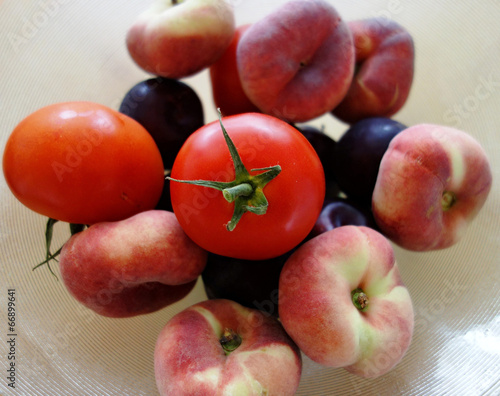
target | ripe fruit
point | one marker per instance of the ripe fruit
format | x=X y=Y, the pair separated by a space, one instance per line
x=227 y=92
x=133 y=266
x=218 y=347
x=384 y=70
x=82 y=162
x=178 y=39
x=292 y=75
x=170 y=110
x=246 y=197
x=358 y=154
x=343 y=302
x=432 y=182
x=340 y=212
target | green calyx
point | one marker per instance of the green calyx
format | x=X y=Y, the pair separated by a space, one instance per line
x=230 y=340
x=246 y=190
x=448 y=200
x=359 y=299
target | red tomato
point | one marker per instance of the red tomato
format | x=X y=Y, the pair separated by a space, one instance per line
x=295 y=196
x=83 y=163
x=227 y=91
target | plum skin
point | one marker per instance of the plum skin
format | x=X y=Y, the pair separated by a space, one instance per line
x=170 y=110
x=358 y=153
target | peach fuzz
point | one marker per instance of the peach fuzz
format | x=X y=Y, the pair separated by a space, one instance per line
x=343 y=302
x=178 y=39
x=133 y=266
x=432 y=182
x=190 y=358
x=297 y=63
x=384 y=70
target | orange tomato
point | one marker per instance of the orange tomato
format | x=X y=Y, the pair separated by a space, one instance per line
x=83 y=163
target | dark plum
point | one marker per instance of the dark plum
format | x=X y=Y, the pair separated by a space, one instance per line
x=322 y=143
x=170 y=110
x=358 y=153
x=253 y=284
x=325 y=148
x=341 y=212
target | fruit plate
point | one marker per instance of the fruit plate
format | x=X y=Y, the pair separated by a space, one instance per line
x=55 y=50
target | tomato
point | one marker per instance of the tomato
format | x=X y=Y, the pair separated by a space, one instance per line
x=83 y=163
x=294 y=195
x=227 y=91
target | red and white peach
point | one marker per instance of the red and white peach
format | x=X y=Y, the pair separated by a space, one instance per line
x=177 y=39
x=218 y=347
x=432 y=182
x=133 y=266
x=384 y=70
x=297 y=62
x=342 y=300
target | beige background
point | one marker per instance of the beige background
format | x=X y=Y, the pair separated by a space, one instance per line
x=55 y=50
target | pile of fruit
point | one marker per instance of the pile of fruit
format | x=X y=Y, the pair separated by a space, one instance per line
x=156 y=198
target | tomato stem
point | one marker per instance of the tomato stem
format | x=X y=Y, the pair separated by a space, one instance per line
x=49 y=231
x=246 y=190
x=240 y=190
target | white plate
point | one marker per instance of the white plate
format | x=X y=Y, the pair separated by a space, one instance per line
x=55 y=50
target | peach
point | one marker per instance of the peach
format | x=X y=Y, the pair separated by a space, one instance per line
x=177 y=39
x=218 y=347
x=297 y=63
x=432 y=182
x=342 y=300
x=384 y=70
x=133 y=266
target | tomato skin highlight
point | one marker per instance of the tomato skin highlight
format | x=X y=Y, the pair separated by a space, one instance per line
x=83 y=163
x=295 y=196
